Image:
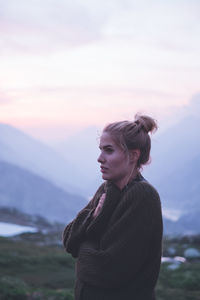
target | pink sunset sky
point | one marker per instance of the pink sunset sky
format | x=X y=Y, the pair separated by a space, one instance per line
x=66 y=65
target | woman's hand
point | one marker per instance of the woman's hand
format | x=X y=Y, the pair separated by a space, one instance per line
x=99 y=206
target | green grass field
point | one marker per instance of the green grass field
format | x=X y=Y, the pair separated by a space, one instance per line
x=47 y=272
x=31 y=269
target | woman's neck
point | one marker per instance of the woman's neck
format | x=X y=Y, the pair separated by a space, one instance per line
x=123 y=182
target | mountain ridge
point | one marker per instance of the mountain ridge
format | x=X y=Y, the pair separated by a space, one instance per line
x=35 y=195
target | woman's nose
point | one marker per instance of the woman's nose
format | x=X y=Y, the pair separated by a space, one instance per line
x=100 y=159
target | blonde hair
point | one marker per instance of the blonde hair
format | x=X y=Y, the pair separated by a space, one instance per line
x=134 y=135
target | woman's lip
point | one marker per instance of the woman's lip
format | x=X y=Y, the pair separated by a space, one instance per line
x=103 y=169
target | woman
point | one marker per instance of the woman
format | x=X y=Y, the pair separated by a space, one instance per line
x=117 y=237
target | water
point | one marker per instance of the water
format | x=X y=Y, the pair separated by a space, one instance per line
x=7 y=229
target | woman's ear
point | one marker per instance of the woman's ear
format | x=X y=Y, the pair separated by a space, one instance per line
x=134 y=155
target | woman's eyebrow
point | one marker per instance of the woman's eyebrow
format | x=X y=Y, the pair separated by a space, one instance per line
x=105 y=146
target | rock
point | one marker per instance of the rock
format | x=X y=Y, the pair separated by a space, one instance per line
x=171 y=250
x=173 y=266
x=174 y=262
x=192 y=253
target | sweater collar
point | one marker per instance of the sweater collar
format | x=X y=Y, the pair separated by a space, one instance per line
x=138 y=178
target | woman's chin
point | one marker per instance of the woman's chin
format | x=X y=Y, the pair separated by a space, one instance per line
x=105 y=177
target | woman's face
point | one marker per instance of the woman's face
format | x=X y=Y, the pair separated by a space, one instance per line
x=115 y=163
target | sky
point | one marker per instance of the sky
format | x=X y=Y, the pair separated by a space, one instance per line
x=69 y=64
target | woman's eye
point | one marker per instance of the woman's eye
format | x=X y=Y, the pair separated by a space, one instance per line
x=109 y=150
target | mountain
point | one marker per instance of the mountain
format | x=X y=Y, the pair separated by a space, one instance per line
x=82 y=149
x=173 y=171
x=15 y=216
x=181 y=189
x=175 y=166
x=190 y=223
x=187 y=224
x=35 y=195
x=20 y=149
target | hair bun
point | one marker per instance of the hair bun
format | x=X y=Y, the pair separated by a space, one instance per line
x=146 y=123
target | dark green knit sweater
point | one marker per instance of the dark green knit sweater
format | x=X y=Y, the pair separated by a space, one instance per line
x=118 y=252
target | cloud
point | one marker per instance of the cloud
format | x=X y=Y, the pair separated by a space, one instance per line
x=100 y=91
x=194 y=105
x=41 y=25
x=49 y=25
x=4 y=99
x=167 y=25
x=191 y=109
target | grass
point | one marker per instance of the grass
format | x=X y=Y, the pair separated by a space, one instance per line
x=32 y=269
x=180 y=284
x=28 y=270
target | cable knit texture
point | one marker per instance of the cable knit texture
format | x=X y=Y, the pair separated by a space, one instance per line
x=118 y=252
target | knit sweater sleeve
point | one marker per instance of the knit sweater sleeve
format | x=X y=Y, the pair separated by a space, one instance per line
x=74 y=232
x=125 y=247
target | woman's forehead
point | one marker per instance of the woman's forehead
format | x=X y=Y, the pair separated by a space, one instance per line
x=106 y=140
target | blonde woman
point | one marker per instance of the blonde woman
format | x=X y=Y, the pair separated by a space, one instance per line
x=117 y=237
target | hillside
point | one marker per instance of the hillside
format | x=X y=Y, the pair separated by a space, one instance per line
x=82 y=150
x=44 y=271
x=35 y=195
x=20 y=149
x=175 y=166
x=174 y=170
